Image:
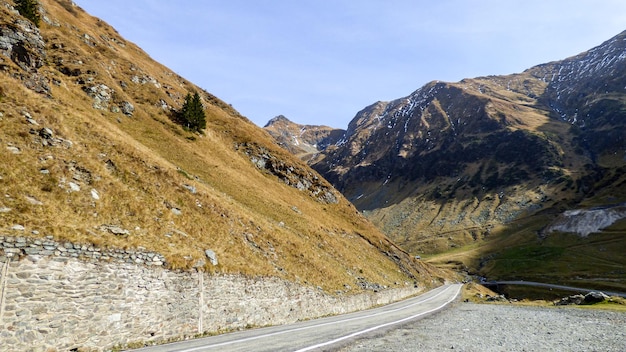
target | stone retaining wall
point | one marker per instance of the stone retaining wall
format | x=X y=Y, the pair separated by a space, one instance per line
x=54 y=300
x=14 y=247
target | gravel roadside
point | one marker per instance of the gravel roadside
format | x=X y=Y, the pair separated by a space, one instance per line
x=495 y=327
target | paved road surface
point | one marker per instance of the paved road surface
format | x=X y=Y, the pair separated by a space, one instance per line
x=320 y=334
x=560 y=287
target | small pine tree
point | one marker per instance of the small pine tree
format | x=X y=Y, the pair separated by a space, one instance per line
x=192 y=115
x=28 y=9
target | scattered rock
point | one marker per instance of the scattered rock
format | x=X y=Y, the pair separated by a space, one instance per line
x=498 y=298
x=74 y=187
x=33 y=200
x=114 y=229
x=127 y=108
x=176 y=211
x=190 y=188
x=17 y=228
x=46 y=133
x=95 y=195
x=14 y=149
x=589 y=298
x=101 y=95
x=178 y=232
x=575 y=299
x=211 y=255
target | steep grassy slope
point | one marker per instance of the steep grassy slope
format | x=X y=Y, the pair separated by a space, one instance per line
x=90 y=154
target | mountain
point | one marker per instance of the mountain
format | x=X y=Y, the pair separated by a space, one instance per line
x=92 y=154
x=302 y=140
x=475 y=169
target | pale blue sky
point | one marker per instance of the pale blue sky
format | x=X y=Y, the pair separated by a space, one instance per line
x=321 y=61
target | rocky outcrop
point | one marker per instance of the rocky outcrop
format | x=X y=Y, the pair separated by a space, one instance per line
x=291 y=174
x=589 y=298
x=22 y=43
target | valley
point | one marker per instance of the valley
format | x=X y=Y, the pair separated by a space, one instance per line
x=504 y=177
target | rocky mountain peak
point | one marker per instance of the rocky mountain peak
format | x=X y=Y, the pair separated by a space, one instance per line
x=280 y=119
x=302 y=140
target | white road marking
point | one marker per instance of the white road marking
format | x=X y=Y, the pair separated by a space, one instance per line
x=379 y=326
x=330 y=323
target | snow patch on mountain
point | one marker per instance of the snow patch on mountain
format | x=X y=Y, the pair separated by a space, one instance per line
x=587 y=221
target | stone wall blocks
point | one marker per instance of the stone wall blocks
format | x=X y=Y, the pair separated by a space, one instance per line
x=136 y=299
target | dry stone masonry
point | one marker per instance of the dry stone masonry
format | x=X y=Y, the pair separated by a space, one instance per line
x=59 y=296
x=18 y=247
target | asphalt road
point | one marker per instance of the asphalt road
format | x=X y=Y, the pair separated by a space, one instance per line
x=559 y=287
x=324 y=333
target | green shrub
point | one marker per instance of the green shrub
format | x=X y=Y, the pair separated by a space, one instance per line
x=28 y=9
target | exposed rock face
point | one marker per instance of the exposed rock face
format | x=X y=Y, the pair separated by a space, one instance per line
x=291 y=174
x=22 y=42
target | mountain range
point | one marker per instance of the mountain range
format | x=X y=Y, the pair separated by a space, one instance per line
x=473 y=174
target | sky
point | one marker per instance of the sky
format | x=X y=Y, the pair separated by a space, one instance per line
x=319 y=62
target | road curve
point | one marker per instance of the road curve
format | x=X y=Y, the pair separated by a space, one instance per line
x=318 y=334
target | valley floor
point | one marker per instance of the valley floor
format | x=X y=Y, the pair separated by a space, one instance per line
x=491 y=327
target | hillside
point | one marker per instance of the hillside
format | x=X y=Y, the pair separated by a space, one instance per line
x=477 y=168
x=90 y=154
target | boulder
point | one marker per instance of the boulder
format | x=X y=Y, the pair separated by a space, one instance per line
x=212 y=256
x=575 y=299
x=595 y=297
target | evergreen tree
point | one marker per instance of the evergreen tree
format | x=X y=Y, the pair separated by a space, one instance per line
x=28 y=9
x=192 y=115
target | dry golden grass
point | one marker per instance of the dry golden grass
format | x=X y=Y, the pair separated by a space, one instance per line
x=142 y=168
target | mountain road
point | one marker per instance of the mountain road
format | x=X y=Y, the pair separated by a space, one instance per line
x=551 y=286
x=323 y=333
